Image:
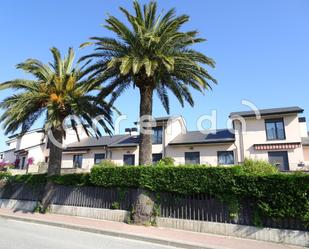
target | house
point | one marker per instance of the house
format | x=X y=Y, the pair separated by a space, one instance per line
x=277 y=135
x=33 y=146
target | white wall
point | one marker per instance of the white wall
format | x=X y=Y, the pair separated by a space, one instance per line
x=174 y=128
x=303 y=129
x=117 y=154
x=37 y=153
x=88 y=158
x=71 y=135
x=29 y=140
x=9 y=156
x=306 y=154
x=208 y=153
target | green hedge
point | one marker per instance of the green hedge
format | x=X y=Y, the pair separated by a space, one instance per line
x=279 y=195
x=72 y=179
x=181 y=179
x=30 y=179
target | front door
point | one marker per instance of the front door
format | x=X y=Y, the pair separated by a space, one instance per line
x=279 y=159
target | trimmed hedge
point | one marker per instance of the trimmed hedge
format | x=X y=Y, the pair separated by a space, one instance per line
x=277 y=195
x=181 y=179
x=72 y=179
x=30 y=179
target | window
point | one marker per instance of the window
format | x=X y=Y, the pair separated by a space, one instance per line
x=98 y=158
x=1 y=156
x=157 y=135
x=156 y=157
x=280 y=159
x=128 y=159
x=275 y=129
x=46 y=159
x=77 y=160
x=225 y=157
x=192 y=157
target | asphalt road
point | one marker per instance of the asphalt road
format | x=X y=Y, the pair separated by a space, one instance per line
x=23 y=235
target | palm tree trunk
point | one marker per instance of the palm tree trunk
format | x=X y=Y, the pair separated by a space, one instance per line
x=144 y=204
x=145 y=143
x=55 y=153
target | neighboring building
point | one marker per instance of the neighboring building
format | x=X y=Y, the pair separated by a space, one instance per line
x=278 y=135
x=33 y=144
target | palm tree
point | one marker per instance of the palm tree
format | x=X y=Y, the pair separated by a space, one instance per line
x=57 y=91
x=152 y=55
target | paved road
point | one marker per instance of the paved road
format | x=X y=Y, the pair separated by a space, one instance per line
x=23 y=235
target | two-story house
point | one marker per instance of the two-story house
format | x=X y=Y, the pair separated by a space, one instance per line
x=33 y=145
x=277 y=135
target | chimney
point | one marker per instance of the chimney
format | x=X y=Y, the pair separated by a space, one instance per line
x=131 y=131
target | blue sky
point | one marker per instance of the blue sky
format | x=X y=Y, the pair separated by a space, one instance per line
x=261 y=48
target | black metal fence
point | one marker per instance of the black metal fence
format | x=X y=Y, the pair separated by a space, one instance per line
x=199 y=207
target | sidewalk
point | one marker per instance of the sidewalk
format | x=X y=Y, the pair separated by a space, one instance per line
x=164 y=236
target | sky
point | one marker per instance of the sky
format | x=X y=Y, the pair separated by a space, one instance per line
x=261 y=49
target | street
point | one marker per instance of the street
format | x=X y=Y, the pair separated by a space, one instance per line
x=23 y=235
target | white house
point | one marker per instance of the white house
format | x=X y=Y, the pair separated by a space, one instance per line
x=277 y=135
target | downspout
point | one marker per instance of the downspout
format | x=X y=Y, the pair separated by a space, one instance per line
x=241 y=143
x=235 y=144
x=164 y=145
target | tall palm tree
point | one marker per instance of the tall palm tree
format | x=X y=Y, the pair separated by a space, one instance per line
x=57 y=91
x=152 y=55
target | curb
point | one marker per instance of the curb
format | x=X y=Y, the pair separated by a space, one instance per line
x=110 y=233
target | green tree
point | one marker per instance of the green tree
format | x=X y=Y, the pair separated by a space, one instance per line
x=152 y=55
x=57 y=91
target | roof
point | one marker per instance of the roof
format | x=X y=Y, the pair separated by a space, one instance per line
x=109 y=141
x=96 y=142
x=131 y=141
x=268 y=112
x=28 y=132
x=197 y=137
x=7 y=151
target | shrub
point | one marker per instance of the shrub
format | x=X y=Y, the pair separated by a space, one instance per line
x=251 y=166
x=115 y=205
x=4 y=166
x=166 y=161
x=106 y=163
x=30 y=179
x=72 y=179
x=4 y=175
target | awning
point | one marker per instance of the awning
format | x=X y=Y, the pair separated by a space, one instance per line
x=21 y=152
x=277 y=146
